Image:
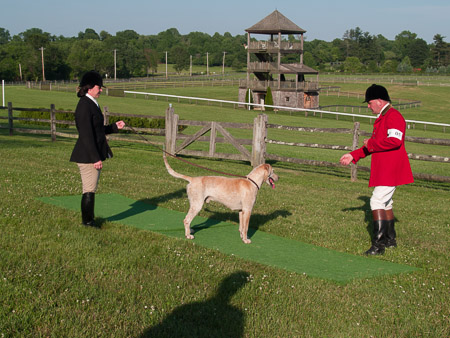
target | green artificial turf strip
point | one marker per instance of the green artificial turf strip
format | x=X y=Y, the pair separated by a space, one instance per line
x=265 y=248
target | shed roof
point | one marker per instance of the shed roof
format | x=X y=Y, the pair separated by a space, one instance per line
x=275 y=23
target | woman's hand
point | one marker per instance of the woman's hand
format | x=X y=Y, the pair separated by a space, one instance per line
x=98 y=165
x=120 y=124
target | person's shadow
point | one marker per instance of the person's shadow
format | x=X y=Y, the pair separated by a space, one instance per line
x=215 y=317
x=367 y=213
x=146 y=204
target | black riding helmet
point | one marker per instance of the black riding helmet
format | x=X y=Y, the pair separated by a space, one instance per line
x=91 y=78
x=377 y=92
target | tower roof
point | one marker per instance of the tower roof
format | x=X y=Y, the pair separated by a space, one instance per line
x=275 y=23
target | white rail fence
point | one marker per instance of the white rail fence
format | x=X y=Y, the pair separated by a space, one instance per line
x=411 y=123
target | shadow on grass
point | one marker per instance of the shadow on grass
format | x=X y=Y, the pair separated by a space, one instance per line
x=214 y=317
x=256 y=220
x=367 y=213
x=14 y=142
x=146 y=204
x=432 y=184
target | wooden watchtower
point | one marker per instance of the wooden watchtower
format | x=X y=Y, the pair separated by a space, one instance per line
x=265 y=61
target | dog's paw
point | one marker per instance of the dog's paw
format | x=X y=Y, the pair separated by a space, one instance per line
x=246 y=240
x=189 y=237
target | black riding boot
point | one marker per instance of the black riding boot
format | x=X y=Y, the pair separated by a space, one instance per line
x=87 y=208
x=391 y=234
x=379 y=238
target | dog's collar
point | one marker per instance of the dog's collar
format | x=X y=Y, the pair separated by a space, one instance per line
x=252 y=182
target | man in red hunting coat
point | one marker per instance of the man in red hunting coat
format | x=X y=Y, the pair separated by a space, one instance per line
x=389 y=166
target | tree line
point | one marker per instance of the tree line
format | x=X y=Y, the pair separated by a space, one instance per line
x=128 y=54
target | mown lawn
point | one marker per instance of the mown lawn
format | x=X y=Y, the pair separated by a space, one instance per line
x=61 y=279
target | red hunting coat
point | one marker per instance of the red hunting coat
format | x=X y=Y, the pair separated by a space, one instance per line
x=390 y=164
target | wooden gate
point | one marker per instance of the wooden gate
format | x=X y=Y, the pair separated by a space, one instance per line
x=258 y=143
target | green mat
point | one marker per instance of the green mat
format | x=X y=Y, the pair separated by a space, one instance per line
x=265 y=248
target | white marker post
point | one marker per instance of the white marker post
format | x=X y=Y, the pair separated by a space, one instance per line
x=3 y=92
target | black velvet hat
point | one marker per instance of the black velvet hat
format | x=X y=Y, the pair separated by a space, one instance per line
x=377 y=92
x=91 y=78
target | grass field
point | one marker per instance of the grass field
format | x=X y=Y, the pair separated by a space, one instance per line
x=61 y=279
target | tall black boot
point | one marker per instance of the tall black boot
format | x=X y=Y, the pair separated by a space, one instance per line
x=391 y=242
x=379 y=238
x=379 y=232
x=390 y=231
x=87 y=208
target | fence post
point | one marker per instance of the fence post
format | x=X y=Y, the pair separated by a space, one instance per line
x=212 y=140
x=10 y=118
x=259 y=140
x=53 y=122
x=171 y=130
x=354 y=167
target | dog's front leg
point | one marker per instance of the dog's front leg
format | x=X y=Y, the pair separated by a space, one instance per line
x=240 y=222
x=244 y=219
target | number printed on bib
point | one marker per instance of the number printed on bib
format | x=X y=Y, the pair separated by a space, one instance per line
x=395 y=133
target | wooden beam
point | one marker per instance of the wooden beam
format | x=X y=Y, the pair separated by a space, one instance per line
x=231 y=140
x=188 y=141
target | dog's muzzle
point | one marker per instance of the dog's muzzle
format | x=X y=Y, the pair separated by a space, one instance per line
x=271 y=180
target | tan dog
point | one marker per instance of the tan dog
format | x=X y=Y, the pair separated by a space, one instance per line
x=234 y=193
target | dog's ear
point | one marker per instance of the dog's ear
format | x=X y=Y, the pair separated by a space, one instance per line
x=267 y=168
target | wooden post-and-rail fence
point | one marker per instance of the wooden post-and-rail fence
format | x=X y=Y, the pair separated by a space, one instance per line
x=258 y=144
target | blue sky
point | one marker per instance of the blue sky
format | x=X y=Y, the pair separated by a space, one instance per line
x=323 y=19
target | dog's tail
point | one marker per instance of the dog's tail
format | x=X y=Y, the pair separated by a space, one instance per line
x=173 y=172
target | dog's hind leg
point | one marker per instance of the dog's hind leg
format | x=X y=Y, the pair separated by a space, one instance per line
x=193 y=211
x=196 y=201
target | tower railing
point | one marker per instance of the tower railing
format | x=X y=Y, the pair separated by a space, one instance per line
x=275 y=46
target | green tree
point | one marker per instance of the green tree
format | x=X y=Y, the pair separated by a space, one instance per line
x=166 y=40
x=405 y=66
x=389 y=66
x=353 y=65
x=36 y=38
x=88 y=55
x=181 y=58
x=309 y=60
x=56 y=67
x=268 y=100
x=129 y=47
x=440 y=51
x=362 y=45
x=418 y=52
x=237 y=64
x=104 y=35
x=7 y=67
x=372 y=67
x=4 y=36
x=407 y=44
x=152 y=59
x=89 y=34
